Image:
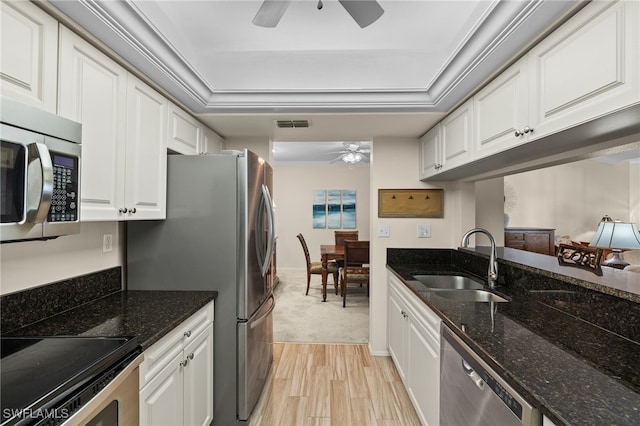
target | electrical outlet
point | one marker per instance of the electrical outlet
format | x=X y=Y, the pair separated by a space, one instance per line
x=424 y=230
x=383 y=231
x=107 y=243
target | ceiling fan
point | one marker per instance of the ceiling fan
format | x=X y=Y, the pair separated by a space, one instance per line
x=364 y=12
x=353 y=153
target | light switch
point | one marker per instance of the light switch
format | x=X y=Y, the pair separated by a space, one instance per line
x=424 y=230
x=383 y=231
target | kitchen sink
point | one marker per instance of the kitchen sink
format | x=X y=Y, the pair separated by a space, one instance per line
x=471 y=296
x=448 y=282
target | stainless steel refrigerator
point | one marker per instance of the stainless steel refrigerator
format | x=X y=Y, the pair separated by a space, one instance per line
x=218 y=235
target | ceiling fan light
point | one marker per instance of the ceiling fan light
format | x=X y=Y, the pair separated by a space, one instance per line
x=352 y=157
x=349 y=158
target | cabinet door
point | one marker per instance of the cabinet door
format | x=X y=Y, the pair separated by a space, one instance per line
x=161 y=400
x=423 y=360
x=93 y=91
x=500 y=109
x=456 y=137
x=430 y=153
x=146 y=162
x=396 y=327
x=198 y=380
x=587 y=68
x=28 y=55
x=211 y=142
x=184 y=132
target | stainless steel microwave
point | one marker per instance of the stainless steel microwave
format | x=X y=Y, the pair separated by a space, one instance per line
x=39 y=173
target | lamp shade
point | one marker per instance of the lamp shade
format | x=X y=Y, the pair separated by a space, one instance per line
x=618 y=235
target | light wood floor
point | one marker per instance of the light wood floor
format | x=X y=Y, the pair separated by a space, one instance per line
x=337 y=384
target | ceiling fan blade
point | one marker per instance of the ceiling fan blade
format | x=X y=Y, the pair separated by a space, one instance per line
x=270 y=13
x=364 y=12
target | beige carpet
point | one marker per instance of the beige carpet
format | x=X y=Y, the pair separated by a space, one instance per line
x=306 y=319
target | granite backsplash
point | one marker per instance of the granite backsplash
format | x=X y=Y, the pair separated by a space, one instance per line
x=26 y=307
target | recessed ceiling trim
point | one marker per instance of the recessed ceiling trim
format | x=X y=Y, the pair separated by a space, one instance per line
x=124 y=28
x=120 y=25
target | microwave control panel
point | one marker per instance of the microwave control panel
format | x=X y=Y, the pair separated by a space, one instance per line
x=64 y=200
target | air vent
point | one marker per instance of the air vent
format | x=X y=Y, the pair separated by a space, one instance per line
x=288 y=124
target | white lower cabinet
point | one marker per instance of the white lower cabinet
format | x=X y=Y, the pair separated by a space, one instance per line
x=176 y=376
x=414 y=344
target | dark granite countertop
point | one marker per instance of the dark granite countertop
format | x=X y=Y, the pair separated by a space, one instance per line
x=566 y=361
x=148 y=315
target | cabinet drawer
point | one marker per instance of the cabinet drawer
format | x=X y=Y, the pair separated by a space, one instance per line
x=169 y=346
x=514 y=236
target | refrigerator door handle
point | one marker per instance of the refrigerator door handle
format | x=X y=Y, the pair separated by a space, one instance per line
x=254 y=322
x=266 y=203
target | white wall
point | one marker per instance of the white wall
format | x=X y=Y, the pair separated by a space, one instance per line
x=293 y=186
x=34 y=263
x=572 y=198
x=634 y=192
x=395 y=165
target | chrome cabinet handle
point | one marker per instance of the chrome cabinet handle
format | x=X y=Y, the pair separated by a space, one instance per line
x=187 y=333
x=133 y=210
x=527 y=129
x=184 y=363
x=123 y=210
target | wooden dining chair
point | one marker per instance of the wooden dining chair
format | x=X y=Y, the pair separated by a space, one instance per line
x=356 y=266
x=316 y=267
x=340 y=236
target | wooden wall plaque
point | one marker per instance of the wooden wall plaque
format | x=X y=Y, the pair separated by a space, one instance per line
x=410 y=203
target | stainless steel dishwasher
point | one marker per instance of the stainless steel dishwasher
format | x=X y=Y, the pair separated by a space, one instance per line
x=471 y=393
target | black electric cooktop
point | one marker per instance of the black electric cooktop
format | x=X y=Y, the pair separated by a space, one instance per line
x=36 y=372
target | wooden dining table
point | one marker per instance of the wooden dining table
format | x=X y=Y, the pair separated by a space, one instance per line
x=329 y=252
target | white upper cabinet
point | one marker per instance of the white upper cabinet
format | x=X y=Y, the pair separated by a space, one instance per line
x=449 y=144
x=124 y=125
x=501 y=112
x=188 y=136
x=146 y=162
x=457 y=133
x=212 y=143
x=93 y=91
x=185 y=132
x=587 y=68
x=430 y=162
x=28 y=55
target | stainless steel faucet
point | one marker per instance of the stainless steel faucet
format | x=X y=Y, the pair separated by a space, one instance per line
x=492 y=274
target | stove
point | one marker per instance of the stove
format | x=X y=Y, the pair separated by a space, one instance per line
x=44 y=380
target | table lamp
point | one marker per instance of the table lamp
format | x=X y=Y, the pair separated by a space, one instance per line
x=617 y=236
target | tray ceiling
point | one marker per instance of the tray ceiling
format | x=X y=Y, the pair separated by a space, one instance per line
x=420 y=56
x=394 y=78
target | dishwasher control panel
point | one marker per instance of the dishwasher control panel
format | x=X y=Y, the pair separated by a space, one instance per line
x=501 y=392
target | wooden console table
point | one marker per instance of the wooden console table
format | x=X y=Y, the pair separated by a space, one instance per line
x=537 y=240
